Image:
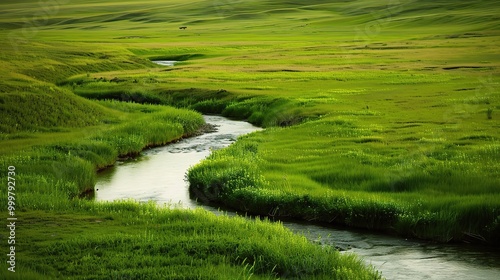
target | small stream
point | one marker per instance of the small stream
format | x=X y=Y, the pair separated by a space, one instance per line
x=159 y=175
x=165 y=62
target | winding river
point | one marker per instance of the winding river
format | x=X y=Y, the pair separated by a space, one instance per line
x=159 y=175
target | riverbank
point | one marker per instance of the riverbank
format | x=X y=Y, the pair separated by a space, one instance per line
x=145 y=179
x=105 y=240
x=159 y=173
x=62 y=236
x=248 y=178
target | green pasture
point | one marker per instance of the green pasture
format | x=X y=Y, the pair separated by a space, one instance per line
x=381 y=115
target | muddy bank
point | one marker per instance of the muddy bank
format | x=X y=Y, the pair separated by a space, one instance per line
x=206 y=128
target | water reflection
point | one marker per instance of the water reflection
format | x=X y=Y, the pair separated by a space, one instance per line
x=398 y=258
x=159 y=173
x=165 y=62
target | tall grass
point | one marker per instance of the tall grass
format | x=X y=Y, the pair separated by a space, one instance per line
x=173 y=243
x=67 y=169
x=441 y=196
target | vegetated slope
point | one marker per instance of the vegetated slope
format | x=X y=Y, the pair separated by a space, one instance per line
x=405 y=138
x=46 y=109
x=31 y=101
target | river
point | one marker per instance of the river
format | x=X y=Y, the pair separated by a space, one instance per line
x=159 y=175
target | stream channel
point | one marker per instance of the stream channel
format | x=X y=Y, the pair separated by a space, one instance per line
x=159 y=175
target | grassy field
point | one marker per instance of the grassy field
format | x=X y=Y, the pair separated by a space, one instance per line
x=57 y=140
x=379 y=115
x=396 y=106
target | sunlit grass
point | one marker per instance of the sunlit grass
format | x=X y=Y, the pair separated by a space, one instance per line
x=346 y=178
x=166 y=242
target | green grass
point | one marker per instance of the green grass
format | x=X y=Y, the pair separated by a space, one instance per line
x=442 y=194
x=379 y=115
x=74 y=162
x=27 y=112
x=139 y=241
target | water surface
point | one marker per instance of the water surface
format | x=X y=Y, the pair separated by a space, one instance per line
x=160 y=172
x=398 y=258
x=165 y=62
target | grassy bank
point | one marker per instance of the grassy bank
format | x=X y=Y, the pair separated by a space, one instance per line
x=60 y=234
x=86 y=240
x=54 y=171
x=63 y=235
x=437 y=197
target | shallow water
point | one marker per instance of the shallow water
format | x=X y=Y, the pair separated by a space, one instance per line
x=165 y=62
x=398 y=258
x=159 y=174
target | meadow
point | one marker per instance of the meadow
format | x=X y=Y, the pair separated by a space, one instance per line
x=378 y=115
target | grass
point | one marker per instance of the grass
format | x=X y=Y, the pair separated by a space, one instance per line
x=70 y=112
x=138 y=241
x=368 y=125
x=74 y=162
x=443 y=196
